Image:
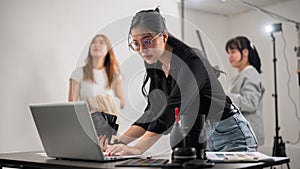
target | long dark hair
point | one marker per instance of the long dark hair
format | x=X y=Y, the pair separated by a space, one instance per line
x=153 y=21
x=240 y=43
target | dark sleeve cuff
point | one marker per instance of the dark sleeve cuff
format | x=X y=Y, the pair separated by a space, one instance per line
x=143 y=125
x=159 y=126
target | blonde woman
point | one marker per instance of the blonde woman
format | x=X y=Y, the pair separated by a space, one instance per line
x=99 y=81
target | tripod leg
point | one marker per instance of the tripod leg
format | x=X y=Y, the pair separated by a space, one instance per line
x=288 y=165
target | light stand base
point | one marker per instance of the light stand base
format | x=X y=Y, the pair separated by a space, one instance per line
x=278 y=147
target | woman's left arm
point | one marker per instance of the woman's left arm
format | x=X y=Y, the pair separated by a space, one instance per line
x=74 y=90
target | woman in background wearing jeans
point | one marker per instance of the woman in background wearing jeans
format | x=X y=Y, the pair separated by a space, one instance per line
x=246 y=89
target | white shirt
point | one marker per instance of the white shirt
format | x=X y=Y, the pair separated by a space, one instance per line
x=90 y=89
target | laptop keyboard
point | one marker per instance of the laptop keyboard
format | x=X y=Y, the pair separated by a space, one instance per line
x=143 y=163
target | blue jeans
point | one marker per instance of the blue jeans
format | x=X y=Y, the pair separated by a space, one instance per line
x=231 y=134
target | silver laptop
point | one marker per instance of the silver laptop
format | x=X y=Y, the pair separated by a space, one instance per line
x=67 y=131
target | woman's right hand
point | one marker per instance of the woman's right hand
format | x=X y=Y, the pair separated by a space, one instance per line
x=103 y=142
x=122 y=149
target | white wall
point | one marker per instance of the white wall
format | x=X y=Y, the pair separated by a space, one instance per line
x=213 y=31
x=41 y=43
x=219 y=29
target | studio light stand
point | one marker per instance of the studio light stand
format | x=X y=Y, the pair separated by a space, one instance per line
x=297 y=50
x=279 y=145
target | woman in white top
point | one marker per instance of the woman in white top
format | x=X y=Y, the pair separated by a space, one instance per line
x=99 y=81
x=246 y=89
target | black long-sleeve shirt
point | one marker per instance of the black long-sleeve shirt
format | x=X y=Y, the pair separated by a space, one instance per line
x=192 y=86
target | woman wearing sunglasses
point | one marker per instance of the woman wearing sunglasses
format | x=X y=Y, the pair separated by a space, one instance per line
x=179 y=76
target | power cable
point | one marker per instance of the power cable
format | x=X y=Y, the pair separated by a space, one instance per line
x=288 y=86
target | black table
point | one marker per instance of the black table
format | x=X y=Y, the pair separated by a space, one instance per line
x=34 y=160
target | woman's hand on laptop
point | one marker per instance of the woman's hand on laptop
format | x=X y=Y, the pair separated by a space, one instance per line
x=122 y=149
x=103 y=142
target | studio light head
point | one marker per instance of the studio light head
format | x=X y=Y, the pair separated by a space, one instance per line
x=277 y=27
